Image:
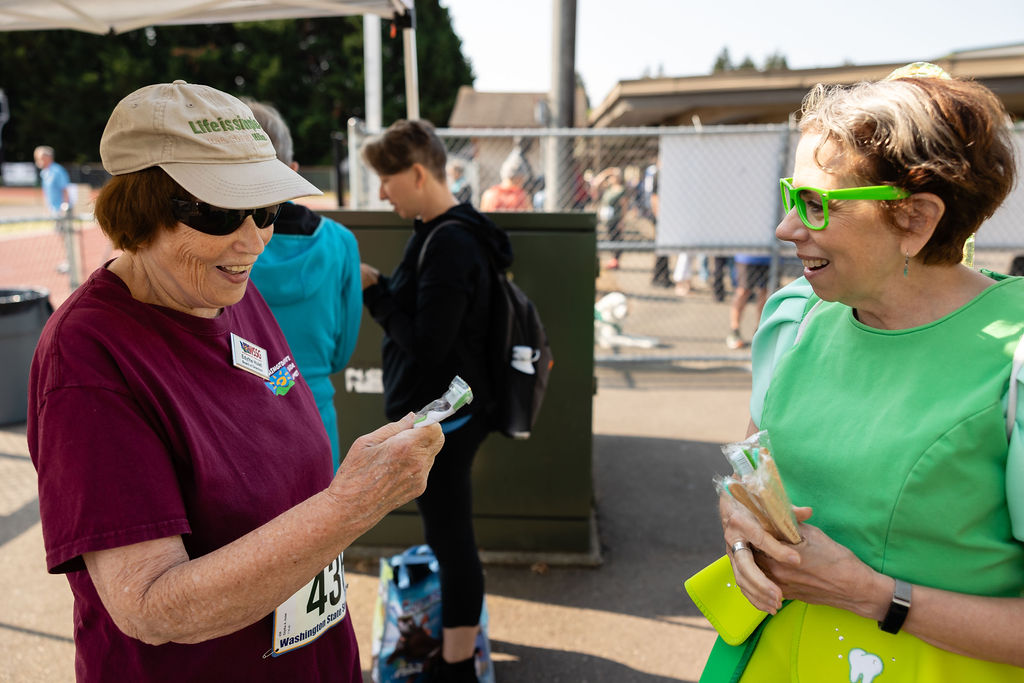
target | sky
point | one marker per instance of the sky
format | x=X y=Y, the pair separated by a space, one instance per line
x=509 y=42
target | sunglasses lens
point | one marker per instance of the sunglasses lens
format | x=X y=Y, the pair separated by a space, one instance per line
x=216 y=221
x=266 y=216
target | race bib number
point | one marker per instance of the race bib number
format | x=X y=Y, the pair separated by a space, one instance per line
x=314 y=608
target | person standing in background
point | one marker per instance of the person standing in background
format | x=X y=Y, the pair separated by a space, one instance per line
x=509 y=195
x=751 y=276
x=612 y=208
x=458 y=183
x=309 y=276
x=54 y=180
x=57 y=194
x=435 y=310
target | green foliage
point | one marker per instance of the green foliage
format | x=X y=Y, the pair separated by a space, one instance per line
x=723 y=63
x=62 y=85
x=775 y=62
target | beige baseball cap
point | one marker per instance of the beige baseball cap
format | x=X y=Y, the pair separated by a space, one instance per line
x=209 y=142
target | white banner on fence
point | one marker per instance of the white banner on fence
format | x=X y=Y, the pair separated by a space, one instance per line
x=710 y=197
x=1005 y=230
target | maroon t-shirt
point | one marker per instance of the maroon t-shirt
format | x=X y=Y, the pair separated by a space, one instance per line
x=140 y=427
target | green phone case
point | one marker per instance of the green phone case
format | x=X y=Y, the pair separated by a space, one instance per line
x=714 y=591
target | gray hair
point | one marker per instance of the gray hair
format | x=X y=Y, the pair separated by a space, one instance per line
x=273 y=125
x=514 y=165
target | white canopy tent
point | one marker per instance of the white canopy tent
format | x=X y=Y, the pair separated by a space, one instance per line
x=119 y=16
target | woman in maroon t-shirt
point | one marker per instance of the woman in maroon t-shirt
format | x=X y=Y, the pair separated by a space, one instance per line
x=185 y=477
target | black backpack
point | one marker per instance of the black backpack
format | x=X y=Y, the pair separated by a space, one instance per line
x=519 y=356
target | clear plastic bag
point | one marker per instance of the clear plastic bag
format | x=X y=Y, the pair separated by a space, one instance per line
x=458 y=394
x=756 y=484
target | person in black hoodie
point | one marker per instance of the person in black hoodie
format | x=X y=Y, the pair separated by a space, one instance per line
x=434 y=310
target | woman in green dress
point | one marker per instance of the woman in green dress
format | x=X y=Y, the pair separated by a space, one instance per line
x=883 y=377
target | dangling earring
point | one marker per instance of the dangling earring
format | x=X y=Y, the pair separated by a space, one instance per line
x=906 y=264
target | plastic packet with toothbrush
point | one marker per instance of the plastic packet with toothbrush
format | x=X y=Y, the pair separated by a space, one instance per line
x=458 y=394
x=755 y=483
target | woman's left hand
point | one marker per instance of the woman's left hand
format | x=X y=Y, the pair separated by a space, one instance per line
x=368 y=274
x=827 y=574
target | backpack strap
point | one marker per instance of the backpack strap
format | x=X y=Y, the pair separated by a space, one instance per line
x=1011 y=397
x=423 y=249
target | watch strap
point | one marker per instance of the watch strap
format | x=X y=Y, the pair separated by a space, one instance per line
x=898 y=608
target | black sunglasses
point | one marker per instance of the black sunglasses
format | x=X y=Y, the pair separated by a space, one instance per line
x=214 y=220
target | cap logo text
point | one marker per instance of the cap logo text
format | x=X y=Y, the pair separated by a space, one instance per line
x=203 y=126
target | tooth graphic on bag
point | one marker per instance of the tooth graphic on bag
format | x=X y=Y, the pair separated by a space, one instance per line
x=523 y=358
x=864 y=666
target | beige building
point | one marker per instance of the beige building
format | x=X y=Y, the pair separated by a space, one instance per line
x=735 y=97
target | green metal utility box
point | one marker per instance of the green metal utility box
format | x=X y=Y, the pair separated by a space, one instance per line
x=529 y=497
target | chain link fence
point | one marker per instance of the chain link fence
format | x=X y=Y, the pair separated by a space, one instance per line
x=39 y=250
x=677 y=207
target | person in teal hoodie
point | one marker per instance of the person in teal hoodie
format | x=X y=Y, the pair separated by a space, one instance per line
x=309 y=276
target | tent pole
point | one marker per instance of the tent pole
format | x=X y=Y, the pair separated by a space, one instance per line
x=373 y=78
x=407 y=21
x=412 y=85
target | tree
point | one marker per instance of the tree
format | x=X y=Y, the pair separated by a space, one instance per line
x=62 y=85
x=776 y=61
x=747 y=64
x=722 y=62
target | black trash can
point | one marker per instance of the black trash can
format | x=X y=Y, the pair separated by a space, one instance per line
x=23 y=312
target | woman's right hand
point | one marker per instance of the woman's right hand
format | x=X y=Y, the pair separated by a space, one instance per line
x=739 y=524
x=388 y=467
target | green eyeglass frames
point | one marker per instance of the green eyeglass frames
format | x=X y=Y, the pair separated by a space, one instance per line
x=812 y=203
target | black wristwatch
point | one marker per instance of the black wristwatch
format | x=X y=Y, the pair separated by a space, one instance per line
x=898 y=608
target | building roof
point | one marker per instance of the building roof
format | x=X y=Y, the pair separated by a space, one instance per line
x=475 y=109
x=752 y=96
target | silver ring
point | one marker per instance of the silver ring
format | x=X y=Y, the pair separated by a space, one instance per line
x=740 y=545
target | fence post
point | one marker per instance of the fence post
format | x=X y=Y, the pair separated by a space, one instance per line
x=66 y=228
x=775 y=269
x=356 y=182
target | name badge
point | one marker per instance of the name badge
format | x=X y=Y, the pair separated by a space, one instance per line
x=312 y=610
x=249 y=357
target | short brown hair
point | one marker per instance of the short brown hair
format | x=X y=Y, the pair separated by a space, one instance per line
x=131 y=208
x=950 y=137
x=403 y=144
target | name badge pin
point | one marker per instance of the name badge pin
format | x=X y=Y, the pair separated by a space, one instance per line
x=249 y=357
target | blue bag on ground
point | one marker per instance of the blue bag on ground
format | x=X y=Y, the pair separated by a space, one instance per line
x=407 y=620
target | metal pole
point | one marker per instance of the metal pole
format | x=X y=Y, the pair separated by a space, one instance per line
x=338 y=176
x=412 y=84
x=372 y=72
x=775 y=269
x=404 y=17
x=558 y=171
x=356 y=184
x=65 y=226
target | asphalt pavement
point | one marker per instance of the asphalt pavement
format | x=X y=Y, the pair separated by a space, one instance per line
x=657 y=431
